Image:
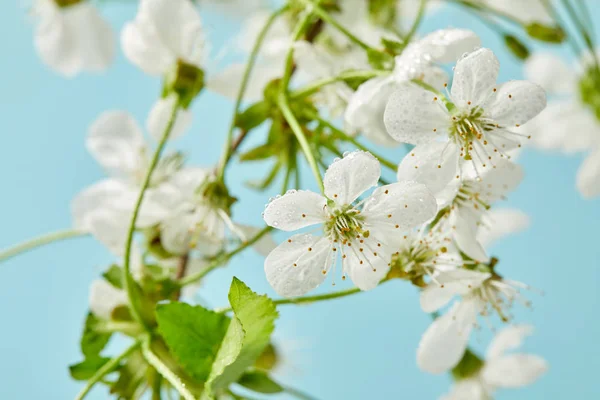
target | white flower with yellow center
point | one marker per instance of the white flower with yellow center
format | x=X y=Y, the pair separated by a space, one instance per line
x=72 y=36
x=359 y=232
x=500 y=369
x=476 y=122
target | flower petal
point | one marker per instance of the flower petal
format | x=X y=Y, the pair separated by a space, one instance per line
x=365 y=263
x=466 y=389
x=464 y=228
x=402 y=205
x=264 y=245
x=508 y=338
x=449 y=284
x=104 y=298
x=515 y=103
x=143 y=47
x=296 y=266
x=295 y=210
x=514 y=370
x=447 y=45
x=588 y=176
x=499 y=223
x=444 y=342
x=349 y=177
x=434 y=165
x=104 y=195
x=115 y=140
x=227 y=81
x=365 y=110
x=474 y=78
x=159 y=116
x=414 y=115
x=551 y=72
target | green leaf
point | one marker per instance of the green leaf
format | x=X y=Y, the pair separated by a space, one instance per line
x=114 y=276
x=253 y=116
x=93 y=340
x=261 y=152
x=87 y=368
x=393 y=46
x=131 y=375
x=247 y=336
x=259 y=382
x=516 y=46
x=193 y=335
x=380 y=60
x=545 y=33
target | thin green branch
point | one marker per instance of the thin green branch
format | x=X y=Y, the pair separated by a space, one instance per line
x=38 y=242
x=106 y=369
x=130 y=284
x=228 y=149
x=416 y=22
x=346 y=75
x=494 y=12
x=300 y=395
x=164 y=371
x=561 y=24
x=223 y=259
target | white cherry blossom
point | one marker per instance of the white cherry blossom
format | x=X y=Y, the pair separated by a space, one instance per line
x=477 y=119
x=569 y=124
x=500 y=369
x=361 y=235
x=419 y=60
x=72 y=37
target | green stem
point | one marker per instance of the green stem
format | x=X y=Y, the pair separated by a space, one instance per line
x=416 y=22
x=348 y=75
x=228 y=150
x=223 y=259
x=585 y=35
x=561 y=24
x=164 y=371
x=106 y=369
x=130 y=284
x=38 y=242
x=297 y=393
x=314 y=8
x=282 y=101
x=344 y=136
x=494 y=12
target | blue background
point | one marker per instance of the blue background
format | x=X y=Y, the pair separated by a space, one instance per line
x=355 y=348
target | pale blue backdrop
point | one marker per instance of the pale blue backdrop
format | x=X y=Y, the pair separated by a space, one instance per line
x=356 y=348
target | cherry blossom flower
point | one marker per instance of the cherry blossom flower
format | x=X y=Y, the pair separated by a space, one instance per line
x=72 y=37
x=476 y=121
x=116 y=141
x=166 y=39
x=500 y=369
x=571 y=122
x=365 y=112
x=359 y=234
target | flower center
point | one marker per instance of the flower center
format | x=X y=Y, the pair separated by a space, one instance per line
x=345 y=224
x=589 y=90
x=469 y=126
x=66 y=3
x=469 y=196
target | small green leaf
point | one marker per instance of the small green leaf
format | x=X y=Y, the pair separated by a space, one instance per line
x=114 y=276
x=247 y=336
x=93 y=340
x=380 y=60
x=193 y=335
x=393 y=46
x=516 y=46
x=87 y=368
x=468 y=366
x=253 y=116
x=545 y=33
x=259 y=382
x=261 y=152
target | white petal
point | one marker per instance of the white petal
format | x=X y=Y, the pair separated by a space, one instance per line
x=104 y=298
x=227 y=81
x=366 y=267
x=293 y=270
x=295 y=210
x=414 y=115
x=466 y=389
x=432 y=164
x=110 y=228
x=349 y=177
x=464 y=229
x=264 y=245
x=176 y=232
x=402 y=205
x=447 y=45
x=449 y=284
x=116 y=142
x=107 y=194
x=366 y=107
x=588 y=176
x=508 y=338
x=497 y=182
x=551 y=72
x=514 y=370
x=501 y=222
x=515 y=103
x=444 y=342
x=474 y=77
x=159 y=116
x=143 y=47
x=313 y=60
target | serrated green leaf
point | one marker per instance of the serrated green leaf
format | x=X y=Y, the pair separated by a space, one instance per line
x=259 y=382
x=87 y=368
x=247 y=336
x=114 y=276
x=93 y=340
x=193 y=335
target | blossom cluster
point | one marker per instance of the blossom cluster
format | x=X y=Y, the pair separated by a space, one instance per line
x=322 y=77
